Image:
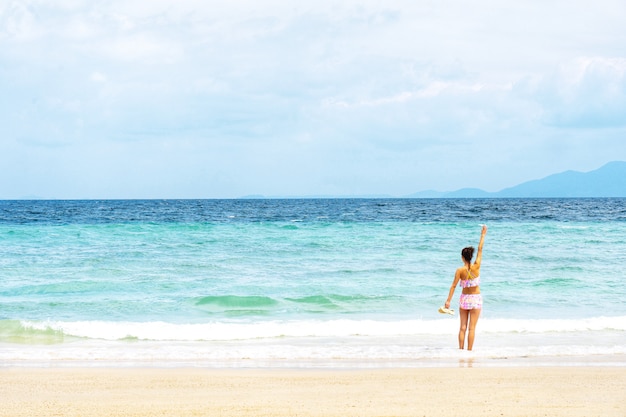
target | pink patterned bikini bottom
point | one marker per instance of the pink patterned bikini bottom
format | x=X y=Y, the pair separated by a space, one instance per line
x=471 y=301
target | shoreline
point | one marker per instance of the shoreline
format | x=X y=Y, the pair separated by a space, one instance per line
x=463 y=359
x=470 y=391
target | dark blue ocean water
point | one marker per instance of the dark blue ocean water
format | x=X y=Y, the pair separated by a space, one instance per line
x=312 y=210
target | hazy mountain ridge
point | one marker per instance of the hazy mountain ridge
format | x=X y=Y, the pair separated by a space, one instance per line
x=606 y=181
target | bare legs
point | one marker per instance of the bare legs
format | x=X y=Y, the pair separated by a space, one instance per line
x=469 y=318
x=474 y=315
x=464 y=315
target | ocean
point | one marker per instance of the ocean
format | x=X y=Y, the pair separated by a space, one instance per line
x=308 y=282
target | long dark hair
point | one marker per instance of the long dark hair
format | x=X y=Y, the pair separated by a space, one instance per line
x=467 y=254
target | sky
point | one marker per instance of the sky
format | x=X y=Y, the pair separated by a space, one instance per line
x=213 y=99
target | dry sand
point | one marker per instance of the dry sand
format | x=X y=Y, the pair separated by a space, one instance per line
x=490 y=391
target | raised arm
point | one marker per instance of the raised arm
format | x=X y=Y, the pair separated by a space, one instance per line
x=479 y=254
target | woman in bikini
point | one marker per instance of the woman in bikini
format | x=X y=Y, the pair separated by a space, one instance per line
x=471 y=302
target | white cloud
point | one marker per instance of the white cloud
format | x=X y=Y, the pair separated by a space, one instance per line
x=358 y=89
x=587 y=92
x=142 y=48
x=98 y=77
x=18 y=21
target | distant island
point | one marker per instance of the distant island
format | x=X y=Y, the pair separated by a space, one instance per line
x=607 y=181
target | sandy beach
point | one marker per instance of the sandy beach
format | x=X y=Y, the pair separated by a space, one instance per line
x=490 y=391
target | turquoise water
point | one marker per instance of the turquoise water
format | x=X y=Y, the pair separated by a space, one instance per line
x=230 y=282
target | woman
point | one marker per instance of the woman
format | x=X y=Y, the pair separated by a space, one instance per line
x=471 y=302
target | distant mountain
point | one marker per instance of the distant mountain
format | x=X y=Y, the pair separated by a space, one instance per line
x=607 y=181
x=427 y=194
x=469 y=193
